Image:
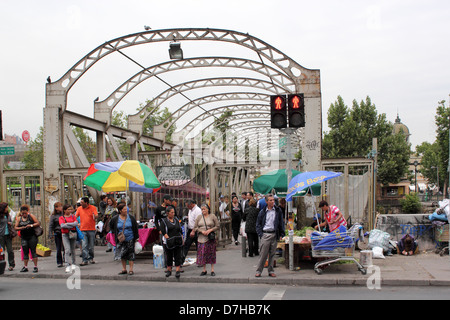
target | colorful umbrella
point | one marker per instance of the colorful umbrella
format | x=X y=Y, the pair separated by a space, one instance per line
x=277 y=180
x=122 y=176
x=308 y=179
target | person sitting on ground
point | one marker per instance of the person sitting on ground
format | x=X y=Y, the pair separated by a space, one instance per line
x=407 y=245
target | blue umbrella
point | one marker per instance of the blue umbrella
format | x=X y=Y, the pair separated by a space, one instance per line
x=307 y=179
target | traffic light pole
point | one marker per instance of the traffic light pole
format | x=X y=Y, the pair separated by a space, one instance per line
x=288 y=132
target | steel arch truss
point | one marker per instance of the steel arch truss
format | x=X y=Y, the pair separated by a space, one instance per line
x=275 y=56
x=285 y=76
x=135 y=122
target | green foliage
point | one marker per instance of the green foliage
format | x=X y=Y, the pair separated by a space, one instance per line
x=411 y=203
x=352 y=132
x=431 y=163
x=34 y=156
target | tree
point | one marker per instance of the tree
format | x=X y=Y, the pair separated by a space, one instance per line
x=157 y=118
x=442 y=122
x=351 y=134
x=430 y=162
x=34 y=156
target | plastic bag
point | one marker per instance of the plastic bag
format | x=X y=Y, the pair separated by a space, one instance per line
x=99 y=226
x=242 y=230
x=378 y=253
x=137 y=247
x=378 y=238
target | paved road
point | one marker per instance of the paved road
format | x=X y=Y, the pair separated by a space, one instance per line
x=56 y=289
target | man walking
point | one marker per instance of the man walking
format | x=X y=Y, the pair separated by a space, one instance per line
x=88 y=215
x=270 y=228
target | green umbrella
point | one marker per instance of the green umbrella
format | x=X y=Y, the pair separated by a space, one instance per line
x=277 y=180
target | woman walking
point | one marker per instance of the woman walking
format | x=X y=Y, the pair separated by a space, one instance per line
x=68 y=223
x=55 y=231
x=7 y=233
x=26 y=223
x=110 y=212
x=124 y=226
x=173 y=236
x=250 y=216
x=236 y=216
x=206 y=225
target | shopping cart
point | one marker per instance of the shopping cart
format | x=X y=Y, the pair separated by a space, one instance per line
x=338 y=245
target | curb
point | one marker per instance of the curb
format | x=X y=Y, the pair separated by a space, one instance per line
x=287 y=282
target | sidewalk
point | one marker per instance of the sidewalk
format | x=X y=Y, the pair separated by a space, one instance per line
x=420 y=270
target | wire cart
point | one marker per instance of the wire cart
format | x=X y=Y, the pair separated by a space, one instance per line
x=336 y=246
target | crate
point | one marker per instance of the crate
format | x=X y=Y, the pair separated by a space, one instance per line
x=42 y=253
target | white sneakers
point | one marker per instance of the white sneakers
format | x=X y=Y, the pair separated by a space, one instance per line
x=70 y=268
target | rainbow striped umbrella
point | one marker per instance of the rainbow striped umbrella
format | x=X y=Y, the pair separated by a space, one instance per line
x=126 y=175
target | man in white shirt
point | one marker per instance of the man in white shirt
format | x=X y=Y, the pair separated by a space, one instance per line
x=194 y=212
x=222 y=208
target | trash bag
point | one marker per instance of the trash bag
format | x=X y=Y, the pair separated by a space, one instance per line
x=378 y=238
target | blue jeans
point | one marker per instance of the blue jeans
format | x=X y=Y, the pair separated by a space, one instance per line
x=88 y=245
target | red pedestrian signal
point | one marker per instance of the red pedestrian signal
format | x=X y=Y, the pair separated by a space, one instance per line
x=278 y=102
x=278 y=112
x=296 y=110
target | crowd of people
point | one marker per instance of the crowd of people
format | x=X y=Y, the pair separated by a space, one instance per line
x=264 y=226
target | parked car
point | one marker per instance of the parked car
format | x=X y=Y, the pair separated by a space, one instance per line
x=2 y=261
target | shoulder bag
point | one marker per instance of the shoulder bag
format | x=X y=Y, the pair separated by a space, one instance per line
x=38 y=231
x=121 y=235
x=212 y=234
x=73 y=234
x=175 y=241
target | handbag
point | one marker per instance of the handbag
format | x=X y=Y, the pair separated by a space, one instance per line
x=212 y=234
x=38 y=231
x=175 y=241
x=121 y=235
x=73 y=234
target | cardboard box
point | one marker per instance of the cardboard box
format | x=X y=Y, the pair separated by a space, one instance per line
x=42 y=253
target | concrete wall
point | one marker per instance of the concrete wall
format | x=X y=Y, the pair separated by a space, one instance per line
x=417 y=225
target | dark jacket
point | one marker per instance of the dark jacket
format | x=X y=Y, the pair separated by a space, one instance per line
x=279 y=223
x=115 y=231
x=54 y=226
x=250 y=216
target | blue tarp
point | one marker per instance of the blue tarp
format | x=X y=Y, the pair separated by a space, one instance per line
x=437 y=216
x=336 y=239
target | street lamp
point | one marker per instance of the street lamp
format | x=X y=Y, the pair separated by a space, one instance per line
x=175 y=51
x=437 y=175
x=416 y=163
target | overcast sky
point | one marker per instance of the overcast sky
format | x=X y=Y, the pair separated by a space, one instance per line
x=396 y=52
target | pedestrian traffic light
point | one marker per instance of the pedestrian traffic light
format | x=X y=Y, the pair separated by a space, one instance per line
x=278 y=112
x=296 y=110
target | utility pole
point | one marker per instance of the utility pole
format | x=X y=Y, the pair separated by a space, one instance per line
x=288 y=132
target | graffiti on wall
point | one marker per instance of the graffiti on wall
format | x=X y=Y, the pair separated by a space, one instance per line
x=416 y=225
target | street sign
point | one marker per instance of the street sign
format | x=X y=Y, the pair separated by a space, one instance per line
x=7 y=151
x=25 y=136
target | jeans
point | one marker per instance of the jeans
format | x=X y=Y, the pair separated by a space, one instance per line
x=88 y=245
x=59 y=248
x=6 y=243
x=69 y=249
